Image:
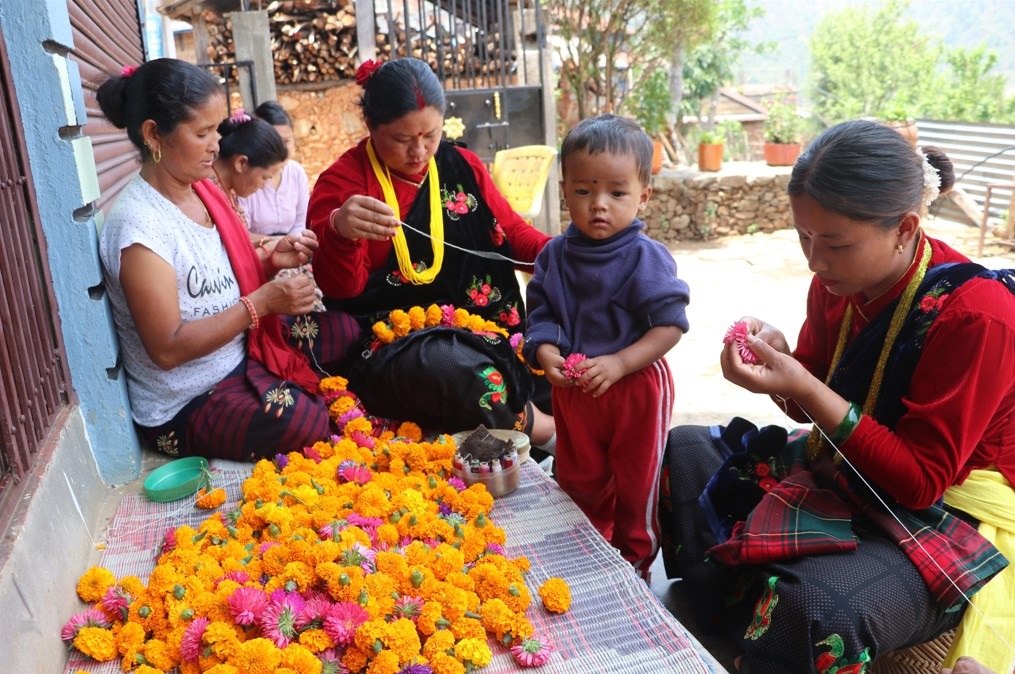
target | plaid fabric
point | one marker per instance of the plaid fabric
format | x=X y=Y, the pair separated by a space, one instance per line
x=810 y=509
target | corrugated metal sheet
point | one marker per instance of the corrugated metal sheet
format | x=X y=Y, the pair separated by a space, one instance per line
x=107 y=36
x=981 y=153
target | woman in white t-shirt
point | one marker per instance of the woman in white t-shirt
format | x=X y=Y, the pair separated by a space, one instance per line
x=215 y=347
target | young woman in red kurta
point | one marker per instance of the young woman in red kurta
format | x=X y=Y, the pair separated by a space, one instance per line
x=860 y=537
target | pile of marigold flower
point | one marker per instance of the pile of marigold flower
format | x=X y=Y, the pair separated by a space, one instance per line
x=356 y=555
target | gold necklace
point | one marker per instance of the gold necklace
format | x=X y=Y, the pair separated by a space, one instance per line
x=815 y=441
x=415 y=184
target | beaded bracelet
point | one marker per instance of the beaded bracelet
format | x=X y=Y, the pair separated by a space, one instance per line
x=255 y=322
x=847 y=425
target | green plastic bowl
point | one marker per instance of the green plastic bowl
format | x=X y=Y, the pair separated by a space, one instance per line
x=176 y=479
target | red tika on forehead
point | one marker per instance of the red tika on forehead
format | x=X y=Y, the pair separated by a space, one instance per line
x=420 y=101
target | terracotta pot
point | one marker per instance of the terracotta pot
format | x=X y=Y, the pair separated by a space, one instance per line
x=781 y=154
x=710 y=156
x=907 y=129
x=657 y=156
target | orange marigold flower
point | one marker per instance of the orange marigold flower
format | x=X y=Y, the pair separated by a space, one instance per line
x=403 y=639
x=442 y=663
x=316 y=640
x=257 y=656
x=148 y=669
x=434 y=315
x=385 y=662
x=209 y=500
x=97 y=643
x=333 y=385
x=383 y=332
x=556 y=595
x=94 y=582
x=159 y=654
x=355 y=659
x=300 y=659
x=417 y=318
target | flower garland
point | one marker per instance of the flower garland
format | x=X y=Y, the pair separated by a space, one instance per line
x=400 y=323
x=356 y=555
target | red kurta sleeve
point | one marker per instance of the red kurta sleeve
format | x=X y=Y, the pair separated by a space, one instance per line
x=960 y=403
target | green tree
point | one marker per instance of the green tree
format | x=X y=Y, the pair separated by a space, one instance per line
x=597 y=35
x=710 y=65
x=868 y=60
x=970 y=92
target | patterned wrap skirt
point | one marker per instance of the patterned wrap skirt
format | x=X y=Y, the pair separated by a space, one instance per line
x=252 y=413
x=824 y=613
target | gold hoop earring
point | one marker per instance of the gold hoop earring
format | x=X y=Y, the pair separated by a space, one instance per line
x=157 y=157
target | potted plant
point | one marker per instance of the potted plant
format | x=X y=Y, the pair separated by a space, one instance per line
x=710 y=149
x=899 y=116
x=782 y=132
x=650 y=105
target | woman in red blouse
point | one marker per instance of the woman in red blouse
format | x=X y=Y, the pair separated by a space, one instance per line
x=860 y=537
x=368 y=264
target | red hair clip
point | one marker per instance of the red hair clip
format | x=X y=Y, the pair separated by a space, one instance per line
x=239 y=117
x=127 y=71
x=365 y=70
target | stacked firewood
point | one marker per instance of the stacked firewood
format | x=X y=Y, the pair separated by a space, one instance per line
x=315 y=41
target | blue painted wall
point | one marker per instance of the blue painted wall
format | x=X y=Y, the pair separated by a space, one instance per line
x=48 y=93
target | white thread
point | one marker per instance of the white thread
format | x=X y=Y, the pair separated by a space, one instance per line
x=479 y=253
x=911 y=535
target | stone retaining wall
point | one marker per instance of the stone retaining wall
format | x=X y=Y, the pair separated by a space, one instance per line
x=742 y=198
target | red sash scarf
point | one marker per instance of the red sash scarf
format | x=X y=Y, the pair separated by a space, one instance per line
x=266 y=344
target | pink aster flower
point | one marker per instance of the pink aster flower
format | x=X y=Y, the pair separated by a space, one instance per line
x=342 y=620
x=571 y=364
x=456 y=483
x=278 y=623
x=532 y=653
x=116 y=602
x=407 y=607
x=168 y=541
x=515 y=340
x=246 y=604
x=362 y=439
x=495 y=549
x=93 y=617
x=737 y=334
x=190 y=645
x=240 y=577
x=354 y=472
x=358 y=520
x=358 y=555
x=312 y=454
x=313 y=613
x=448 y=315
x=331 y=530
x=331 y=659
x=346 y=417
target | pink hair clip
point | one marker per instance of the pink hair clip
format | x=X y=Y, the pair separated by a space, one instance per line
x=127 y=71
x=365 y=70
x=239 y=117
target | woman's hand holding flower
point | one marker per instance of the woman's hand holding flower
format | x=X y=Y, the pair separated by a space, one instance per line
x=362 y=217
x=775 y=373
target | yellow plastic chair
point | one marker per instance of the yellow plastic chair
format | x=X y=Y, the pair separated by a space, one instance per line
x=520 y=173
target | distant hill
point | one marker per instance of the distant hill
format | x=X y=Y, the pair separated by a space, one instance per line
x=956 y=23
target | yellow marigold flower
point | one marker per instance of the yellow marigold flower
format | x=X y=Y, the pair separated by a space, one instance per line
x=209 y=500
x=160 y=654
x=300 y=659
x=94 y=582
x=383 y=332
x=97 y=643
x=442 y=663
x=556 y=595
x=257 y=656
x=332 y=385
x=474 y=651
